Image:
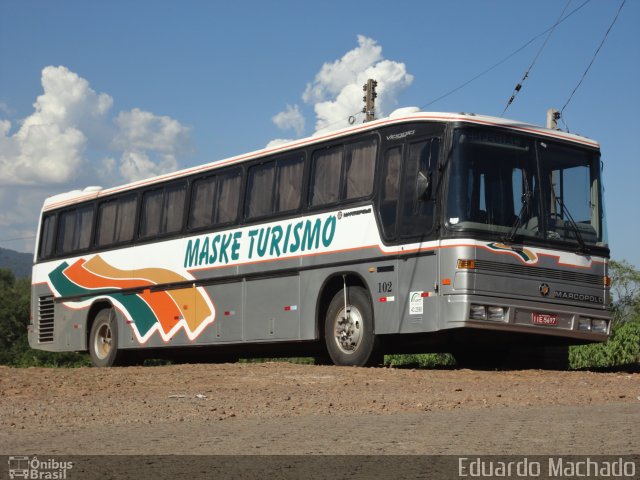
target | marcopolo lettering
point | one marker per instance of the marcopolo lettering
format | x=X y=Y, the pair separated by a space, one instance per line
x=580 y=297
x=272 y=241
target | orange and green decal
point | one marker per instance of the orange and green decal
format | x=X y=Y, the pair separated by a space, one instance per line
x=133 y=290
x=524 y=254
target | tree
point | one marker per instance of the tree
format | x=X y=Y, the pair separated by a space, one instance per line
x=14 y=314
x=625 y=291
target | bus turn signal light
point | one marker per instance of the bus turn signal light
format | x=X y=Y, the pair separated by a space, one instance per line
x=466 y=264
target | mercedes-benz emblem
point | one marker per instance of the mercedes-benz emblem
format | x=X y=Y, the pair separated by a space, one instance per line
x=544 y=289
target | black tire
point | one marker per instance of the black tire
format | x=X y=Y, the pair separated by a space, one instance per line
x=351 y=341
x=103 y=339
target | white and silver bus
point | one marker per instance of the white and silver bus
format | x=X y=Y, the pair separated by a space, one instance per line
x=419 y=232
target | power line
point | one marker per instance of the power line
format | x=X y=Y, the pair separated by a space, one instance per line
x=4 y=240
x=518 y=50
x=535 y=59
x=592 y=60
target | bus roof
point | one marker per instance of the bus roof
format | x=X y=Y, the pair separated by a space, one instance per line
x=402 y=115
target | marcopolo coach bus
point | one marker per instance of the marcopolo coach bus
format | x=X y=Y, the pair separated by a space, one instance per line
x=418 y=232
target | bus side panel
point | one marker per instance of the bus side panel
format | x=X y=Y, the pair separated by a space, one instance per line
x=272 y=309
x=227 y=299
x=66 y=333
x=417 y=295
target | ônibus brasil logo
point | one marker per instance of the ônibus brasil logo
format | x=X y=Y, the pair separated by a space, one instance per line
x=22 y=466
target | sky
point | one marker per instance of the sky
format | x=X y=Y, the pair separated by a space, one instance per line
x=103 y=93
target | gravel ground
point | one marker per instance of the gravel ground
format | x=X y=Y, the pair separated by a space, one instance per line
x=282 y=408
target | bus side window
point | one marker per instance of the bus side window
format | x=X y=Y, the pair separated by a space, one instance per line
x=327 y=171
x=202 y=202
x=174 y=202
x=390 y=190
x=360 y=169
x=274 y=187
x=163 y=210
x=260 y=190
x=47 y=240
x=151 y=213
x=417 y=211
x=343 y=173
x=74 y=230
x=227 y=197
x=116 y=221
x=289 y=187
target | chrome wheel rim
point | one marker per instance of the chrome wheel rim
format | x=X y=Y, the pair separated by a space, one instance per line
x=102 y=343
x=349 y=329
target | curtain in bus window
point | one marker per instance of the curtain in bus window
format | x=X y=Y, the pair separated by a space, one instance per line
x=390 y=190
x=82 y=235
x=46 y=237
x=228 y=197
x=417 y=212
x=174 y=208
x=289 y=184
x=326 y=177
x=361 y=164
x=151 y=213
x=66 y=227
x=260 y=190
x=202 y=203
x=126 y=221
x=106 y=223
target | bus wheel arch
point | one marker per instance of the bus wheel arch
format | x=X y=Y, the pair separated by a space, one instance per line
x=349 y=335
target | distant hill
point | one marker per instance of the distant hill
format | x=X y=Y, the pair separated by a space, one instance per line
x=19 y=263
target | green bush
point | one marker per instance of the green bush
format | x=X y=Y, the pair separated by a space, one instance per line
x=14 y=318
x=422 y=360
x=623 y=348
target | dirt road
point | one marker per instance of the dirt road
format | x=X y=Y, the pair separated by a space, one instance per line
x=281 y=408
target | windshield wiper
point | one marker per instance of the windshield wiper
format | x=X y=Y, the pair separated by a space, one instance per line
x=526 y=200
x=583 y=246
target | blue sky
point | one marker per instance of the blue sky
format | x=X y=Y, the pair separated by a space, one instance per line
x=123 y=89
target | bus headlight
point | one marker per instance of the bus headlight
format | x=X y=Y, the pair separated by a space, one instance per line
x=599 y=326
x=495 y=313
x=487 y=312
x=584 y=324
x=478 y=312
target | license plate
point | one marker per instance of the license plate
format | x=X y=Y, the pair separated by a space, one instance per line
x=548 y=319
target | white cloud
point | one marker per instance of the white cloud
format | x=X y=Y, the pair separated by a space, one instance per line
x=150 y=144
x=70 y=119
x=142 y=130
x=136 y=165
x=73 y=139
x=291 y=118
x=334 y=77
x=336 y=91
x=277 y=142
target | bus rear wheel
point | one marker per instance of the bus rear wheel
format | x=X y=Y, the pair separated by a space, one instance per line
x=103 y=339
x=348 y=329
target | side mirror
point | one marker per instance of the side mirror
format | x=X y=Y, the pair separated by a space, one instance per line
x=423 y=186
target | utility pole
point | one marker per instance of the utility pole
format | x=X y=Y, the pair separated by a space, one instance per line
x=553 y=116
x=369 y=100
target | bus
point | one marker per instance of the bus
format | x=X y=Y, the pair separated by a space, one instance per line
x=418 y=232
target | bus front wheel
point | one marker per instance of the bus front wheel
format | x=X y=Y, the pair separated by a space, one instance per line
x=103 y=339
x=348 y=329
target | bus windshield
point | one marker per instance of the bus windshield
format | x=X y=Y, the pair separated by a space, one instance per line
x=508 y=186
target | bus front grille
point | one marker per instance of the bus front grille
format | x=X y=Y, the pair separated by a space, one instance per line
x=540 y=272
x=45 y=319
